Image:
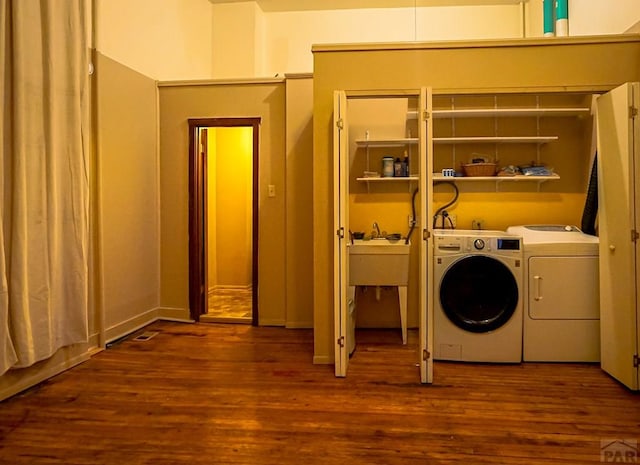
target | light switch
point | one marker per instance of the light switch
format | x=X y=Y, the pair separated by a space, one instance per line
x=272 y=190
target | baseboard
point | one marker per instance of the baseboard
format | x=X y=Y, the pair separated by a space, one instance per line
x=299 y=324
x=132 y=324
x=175 y=314
x=269 y=322
x=94 y=339
x=222 y=287
x=322 y=360
x=17 y=380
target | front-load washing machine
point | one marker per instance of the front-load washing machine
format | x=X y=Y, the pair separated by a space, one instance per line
x=477 y=296
x=561 y=309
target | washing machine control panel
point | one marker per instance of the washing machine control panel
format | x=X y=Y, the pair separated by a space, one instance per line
x=461 y=241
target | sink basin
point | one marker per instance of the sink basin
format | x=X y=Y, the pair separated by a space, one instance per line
x=378 y=262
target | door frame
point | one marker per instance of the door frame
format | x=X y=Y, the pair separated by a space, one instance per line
x=198 y=219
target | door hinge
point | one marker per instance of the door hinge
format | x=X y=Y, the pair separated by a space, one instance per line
x=425 y=115
x=634 y=235
x=633 y=112
x=340 y=232
x=425 y=234
x=340 y=123
x=426 y=355
x=340 y=341
x=636 y=361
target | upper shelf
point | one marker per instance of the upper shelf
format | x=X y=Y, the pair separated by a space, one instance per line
x=389 y=179
x=458 y=140
x=513 y=112
x=495 y=140
x=439 y=177
x=505 y=112
x=387 y=142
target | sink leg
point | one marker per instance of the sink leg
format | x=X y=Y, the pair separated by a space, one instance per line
x=402 y=297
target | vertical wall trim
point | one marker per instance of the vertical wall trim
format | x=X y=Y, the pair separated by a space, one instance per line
x=98 y=215
x=158 y=201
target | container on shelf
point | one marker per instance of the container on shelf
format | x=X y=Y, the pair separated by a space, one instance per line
x=479 y=169
x=387 y=167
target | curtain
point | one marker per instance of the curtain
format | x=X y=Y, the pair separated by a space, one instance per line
x=44 y=179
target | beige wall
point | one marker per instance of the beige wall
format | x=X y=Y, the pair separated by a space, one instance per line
x=299 y=201
x=129 y=209
x=166 y=39
x=233 y=207
x=286 y=36
x=585 y=63
x=290 y=35
x=238 y=40
x=178 y=103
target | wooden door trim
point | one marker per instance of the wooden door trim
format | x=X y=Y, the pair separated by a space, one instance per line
x=197 y=241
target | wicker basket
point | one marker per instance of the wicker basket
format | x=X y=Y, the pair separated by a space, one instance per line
x=479 y=169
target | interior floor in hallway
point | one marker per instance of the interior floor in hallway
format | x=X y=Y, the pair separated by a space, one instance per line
x=229 y=306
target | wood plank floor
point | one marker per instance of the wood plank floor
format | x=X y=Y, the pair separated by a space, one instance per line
x=234 y=394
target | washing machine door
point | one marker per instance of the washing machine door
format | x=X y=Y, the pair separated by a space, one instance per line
x=478 y=293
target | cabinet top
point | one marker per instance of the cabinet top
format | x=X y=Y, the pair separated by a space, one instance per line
x=488 y=43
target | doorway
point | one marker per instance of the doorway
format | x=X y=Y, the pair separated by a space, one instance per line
x=223 y=219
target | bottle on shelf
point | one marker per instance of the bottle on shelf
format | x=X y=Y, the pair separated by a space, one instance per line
x=405 y=165
x=397 y=168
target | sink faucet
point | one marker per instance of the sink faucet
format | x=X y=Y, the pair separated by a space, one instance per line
x=377 y=229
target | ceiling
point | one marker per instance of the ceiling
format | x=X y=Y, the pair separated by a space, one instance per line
x=301 y=5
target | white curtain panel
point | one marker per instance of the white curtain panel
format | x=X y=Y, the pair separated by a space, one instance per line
x=44 y=179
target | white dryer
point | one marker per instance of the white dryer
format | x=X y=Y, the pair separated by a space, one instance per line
x=562 y=312
x=477 y=296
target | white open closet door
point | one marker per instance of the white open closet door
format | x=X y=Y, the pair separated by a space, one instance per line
x=618 y=146
x=426 y=249
x=340 y=271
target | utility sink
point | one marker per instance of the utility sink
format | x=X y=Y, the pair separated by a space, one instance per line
x=378 y=262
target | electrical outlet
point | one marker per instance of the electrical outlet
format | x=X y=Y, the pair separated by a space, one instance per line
x=450 y=222
x=477 y=224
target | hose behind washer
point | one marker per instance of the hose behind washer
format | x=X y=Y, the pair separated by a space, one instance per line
x=447 y=205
